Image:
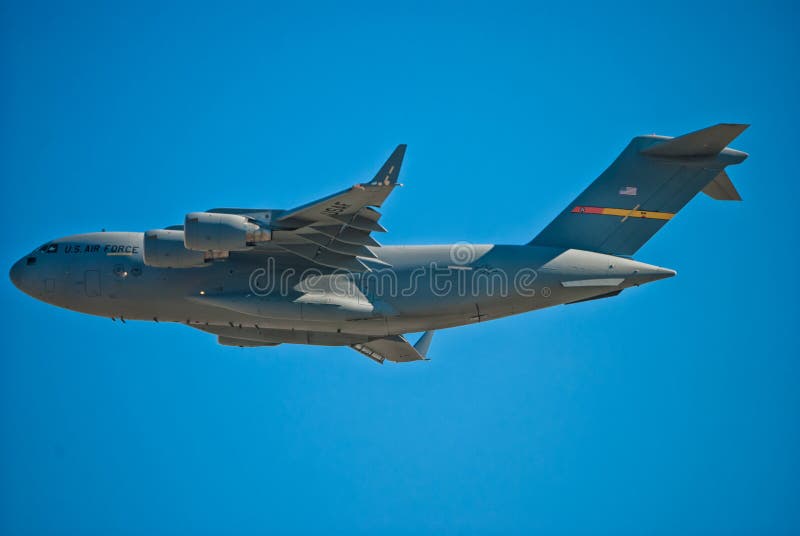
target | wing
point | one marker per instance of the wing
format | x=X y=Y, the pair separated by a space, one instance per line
x=351 y=206
x=335 y=231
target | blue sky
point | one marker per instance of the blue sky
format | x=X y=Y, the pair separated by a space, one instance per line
x=672 y=408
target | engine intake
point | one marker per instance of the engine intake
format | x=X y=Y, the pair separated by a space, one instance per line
x=207 y=231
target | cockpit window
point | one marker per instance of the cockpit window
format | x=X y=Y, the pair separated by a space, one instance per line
x=49 y=248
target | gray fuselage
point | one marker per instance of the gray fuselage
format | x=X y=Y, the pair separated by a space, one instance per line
x=274 y=299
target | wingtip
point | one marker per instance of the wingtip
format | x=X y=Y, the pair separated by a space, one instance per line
x=741 y=127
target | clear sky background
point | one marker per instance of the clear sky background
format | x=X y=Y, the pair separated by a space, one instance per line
x=673 y=408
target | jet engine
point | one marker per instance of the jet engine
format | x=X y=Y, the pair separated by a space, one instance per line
x=164 y=249
x=207 y=231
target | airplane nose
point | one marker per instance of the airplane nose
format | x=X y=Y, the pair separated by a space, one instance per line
x=15 y=274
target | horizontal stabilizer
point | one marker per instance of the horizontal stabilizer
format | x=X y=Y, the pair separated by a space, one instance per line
x=722 y=189
x=706 y=142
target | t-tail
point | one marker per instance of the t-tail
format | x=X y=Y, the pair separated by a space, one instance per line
x=653 y=178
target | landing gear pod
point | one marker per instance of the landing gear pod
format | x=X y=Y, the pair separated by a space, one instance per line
x=164 y=249
x=206 y=231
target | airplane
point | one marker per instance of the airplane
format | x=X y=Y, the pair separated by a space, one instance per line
x=316 y=274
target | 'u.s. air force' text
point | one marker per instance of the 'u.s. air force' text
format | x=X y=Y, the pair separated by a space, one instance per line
x=108 y=249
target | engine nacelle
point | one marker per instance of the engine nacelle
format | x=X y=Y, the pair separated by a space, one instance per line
x=164 y=249
x=208 y=231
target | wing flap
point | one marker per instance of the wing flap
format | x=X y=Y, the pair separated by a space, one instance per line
x=344 y=234
x=360 y=222
x=336 y=246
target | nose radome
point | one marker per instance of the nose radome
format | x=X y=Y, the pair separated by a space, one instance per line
x=16 y=274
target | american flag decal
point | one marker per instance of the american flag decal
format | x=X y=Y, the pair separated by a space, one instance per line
x=628 y=190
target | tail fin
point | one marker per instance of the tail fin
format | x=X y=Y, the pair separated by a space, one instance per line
x=653 y=178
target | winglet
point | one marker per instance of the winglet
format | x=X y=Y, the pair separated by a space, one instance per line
x=706 y=142
x=390 y=171
x=424 y=343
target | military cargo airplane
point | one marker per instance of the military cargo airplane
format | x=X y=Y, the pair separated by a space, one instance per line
x=315 y=274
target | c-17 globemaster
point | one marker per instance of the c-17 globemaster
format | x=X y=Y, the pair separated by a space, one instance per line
x=315 y=274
